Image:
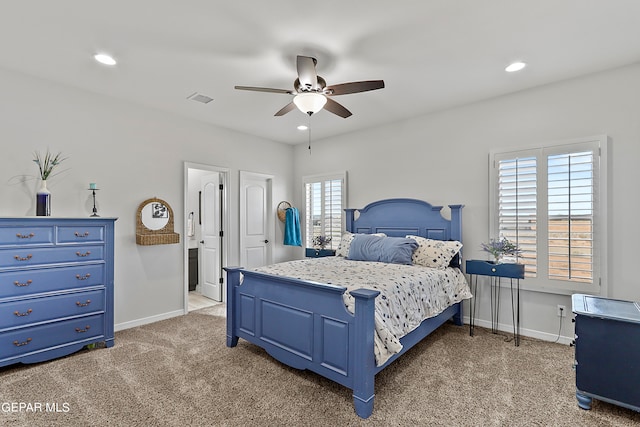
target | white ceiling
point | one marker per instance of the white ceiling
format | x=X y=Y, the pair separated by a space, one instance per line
x=432 y=54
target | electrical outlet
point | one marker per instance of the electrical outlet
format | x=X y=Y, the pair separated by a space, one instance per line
x=562 y=311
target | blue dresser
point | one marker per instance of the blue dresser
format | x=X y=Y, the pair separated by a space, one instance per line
x=56 y=286
x=607 y=351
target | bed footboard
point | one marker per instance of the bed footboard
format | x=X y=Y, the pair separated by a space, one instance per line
x=305 y=325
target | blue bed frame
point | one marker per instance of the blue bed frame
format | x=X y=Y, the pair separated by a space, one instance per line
x=305 y=324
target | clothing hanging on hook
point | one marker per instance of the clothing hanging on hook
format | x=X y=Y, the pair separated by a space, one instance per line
x=190 y=226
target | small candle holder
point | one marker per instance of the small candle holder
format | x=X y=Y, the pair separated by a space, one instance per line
x=93 y=189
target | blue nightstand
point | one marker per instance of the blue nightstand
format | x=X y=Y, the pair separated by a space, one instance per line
x=317 y=253
x=496 y=272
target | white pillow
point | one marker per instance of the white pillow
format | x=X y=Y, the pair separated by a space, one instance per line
x=434 y=253
x=345 y=243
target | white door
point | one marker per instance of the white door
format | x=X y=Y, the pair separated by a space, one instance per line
x=211 y=243
x=255 y=219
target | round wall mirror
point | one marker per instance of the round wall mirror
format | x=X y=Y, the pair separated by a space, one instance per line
x=155 y=215
x=154 y=223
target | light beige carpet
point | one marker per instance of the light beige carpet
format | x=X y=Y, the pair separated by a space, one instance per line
x=179 y=372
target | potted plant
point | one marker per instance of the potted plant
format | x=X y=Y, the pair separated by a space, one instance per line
x=502 y=248
x=320 y=242
x=46 y=165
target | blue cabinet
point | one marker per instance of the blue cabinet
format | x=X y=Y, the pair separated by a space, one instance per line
x=607 y=346
x=475 y=268
x=56 y=286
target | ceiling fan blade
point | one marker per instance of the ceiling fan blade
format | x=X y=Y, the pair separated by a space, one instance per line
x=335 y=108
x=354 y=87
x=284 y=110
x=307 y=72
x=265 y=89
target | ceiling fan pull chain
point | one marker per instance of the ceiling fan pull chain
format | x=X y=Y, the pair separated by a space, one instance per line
x=309 y=133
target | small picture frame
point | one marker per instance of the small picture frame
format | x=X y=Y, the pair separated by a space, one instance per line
x=158 y=210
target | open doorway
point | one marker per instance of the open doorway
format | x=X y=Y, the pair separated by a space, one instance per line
x=206 y=243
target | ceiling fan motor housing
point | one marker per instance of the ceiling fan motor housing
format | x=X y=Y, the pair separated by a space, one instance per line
x=307 y=88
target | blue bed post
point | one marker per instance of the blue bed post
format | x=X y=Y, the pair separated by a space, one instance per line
x=456 y=222
x=350 y=217
x=363 y=359
x=456 y=234
x=233 y=281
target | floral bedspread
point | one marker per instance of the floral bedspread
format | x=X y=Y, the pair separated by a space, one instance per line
x=408 y=293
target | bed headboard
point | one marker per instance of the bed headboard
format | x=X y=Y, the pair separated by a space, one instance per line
x=399 y=217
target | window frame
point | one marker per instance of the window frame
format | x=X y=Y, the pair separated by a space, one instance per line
x=310 y=179
x=542 y=283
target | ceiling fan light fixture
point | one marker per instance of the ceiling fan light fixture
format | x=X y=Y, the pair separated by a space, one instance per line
x=310 y=102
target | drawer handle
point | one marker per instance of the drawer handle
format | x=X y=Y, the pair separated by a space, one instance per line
x=26 y=313
x=26 y=258
x=83 y=277
x=81 y=331
x=27 y=283
x=20 y=344
x=83 y=304
x=83 y=254
x=493 y=269
x=24 y=236
x=78 y=234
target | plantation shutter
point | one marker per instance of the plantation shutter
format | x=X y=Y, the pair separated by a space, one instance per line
x=517 y=207
x=571 y=216
x=333 y=211
x=325 y=199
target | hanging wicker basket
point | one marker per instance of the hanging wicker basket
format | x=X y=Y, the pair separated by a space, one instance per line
x=282 y=210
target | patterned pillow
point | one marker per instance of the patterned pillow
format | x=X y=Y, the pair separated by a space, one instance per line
x=434 y=253
x=345 y=243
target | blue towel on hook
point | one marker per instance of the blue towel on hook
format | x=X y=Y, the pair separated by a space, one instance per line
x=292 y=234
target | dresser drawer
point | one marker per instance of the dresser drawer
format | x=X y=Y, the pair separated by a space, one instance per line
x=25 y=235
x=25 y=257
x=40 y=309
x=488 y=268
x=30 y=281
x=80 y=234
x=27 y=340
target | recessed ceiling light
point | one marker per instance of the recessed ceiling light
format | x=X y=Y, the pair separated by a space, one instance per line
x=105 y=59
x=515 y=66
x=303 y=127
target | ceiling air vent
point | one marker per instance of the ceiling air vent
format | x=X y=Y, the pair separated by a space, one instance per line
x=195 y=96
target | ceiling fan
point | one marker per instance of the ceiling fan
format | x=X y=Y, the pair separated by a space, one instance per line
x=312 y=93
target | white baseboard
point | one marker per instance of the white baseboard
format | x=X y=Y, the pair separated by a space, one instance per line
x=544 y=336
x=147 y=320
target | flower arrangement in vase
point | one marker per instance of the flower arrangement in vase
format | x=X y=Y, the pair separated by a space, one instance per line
x=46 y=165
x=320 y=242
x=501 y=248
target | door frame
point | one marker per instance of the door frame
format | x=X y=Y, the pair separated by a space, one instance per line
x=224 y=180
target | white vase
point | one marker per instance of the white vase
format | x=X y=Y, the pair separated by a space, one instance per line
x=43 y=200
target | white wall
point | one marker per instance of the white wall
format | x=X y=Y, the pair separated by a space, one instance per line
x=132 y=153
x=443 y=158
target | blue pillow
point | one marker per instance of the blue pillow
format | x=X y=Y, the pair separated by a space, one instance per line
x=395 y=250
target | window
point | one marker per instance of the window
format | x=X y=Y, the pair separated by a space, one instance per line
x=325 y=200
x=550 y=200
